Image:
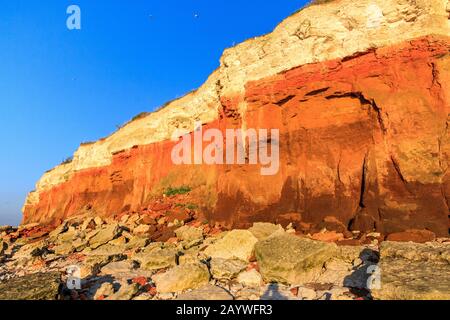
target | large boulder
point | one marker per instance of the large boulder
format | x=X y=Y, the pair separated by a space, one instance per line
x=38 y=286
x=226 y=269
x=263 y=230
x=181 y=278
x=125 y=292
x=104 y=235
x=189 y=234
x=290 y=259
x=159 y=258
x=413 y=272
x=251 y=278
x=237 y=244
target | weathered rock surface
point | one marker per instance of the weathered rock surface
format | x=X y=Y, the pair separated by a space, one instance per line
x=250 y=278
x=181 y=278
x=157 y=258
x=226 y=268
x=414 y=272
x=39 y=286
x=263 y=230
x=360 y=95
x=237 y=244
x=289 y=259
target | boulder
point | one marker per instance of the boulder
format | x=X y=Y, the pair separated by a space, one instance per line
x=411 y=271
x=328 y=236
x=93 y=264
x=125 y=292
x=118 y=267
x=64 y=248
x=306 y=293
x=419 y=236
x=106 y=250
x=250 y=278
x=106 y=289
x=226 y=269
x=208 y=292
x=236 y=244
x=290 y=259
x=142 y=229
x=157 y=259
x=181 y=278
x=104 y=235
x=137 y=242
x=262 y=230
x=189 y=234
x=38 y=286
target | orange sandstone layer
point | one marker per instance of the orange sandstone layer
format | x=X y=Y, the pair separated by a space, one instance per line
x=363 y=139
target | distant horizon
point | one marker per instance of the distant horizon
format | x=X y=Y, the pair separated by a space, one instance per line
x=63 y=87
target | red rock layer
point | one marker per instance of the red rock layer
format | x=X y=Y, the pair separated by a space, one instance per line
x=363 y=139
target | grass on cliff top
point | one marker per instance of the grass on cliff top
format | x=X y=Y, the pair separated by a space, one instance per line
x=176 y=191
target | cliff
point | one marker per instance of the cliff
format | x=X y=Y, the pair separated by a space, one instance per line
x=360 y=93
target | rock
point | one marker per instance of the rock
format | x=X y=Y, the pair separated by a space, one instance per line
x=419 y=236
x=56 y=232
x=69 y=236
x=6 y=229
x=237 y=244
x=289 y=259
x=64 y=248
x=106 y=250
x=331 y=223
x=106 y=289
x=3 y=247
x=98 y=221
x=181 y=278
x=192 y=255
x=208 y=292
x=328 y=236
x=438 y=252
x=93 y=264
x=125 y=292
x=411 y=271
x=137 y=242
x=262 y=230
x=88 y=224
x=189 y=234
x=250 y=278
x=38 y=286
x=226 y=269
x=157 y=259
x=305 y=293
x=104 y=235
x=118 y=267
x=164 y=234
x=142 y=229
x=294 y=218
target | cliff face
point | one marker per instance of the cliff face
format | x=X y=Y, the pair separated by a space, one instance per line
x=360 y=94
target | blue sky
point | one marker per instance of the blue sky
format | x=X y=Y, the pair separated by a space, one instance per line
x=59 y=88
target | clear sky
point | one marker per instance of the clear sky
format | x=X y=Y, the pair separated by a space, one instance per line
x=59 y=88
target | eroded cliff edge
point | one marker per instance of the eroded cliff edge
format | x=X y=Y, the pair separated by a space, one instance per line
x=360 y=93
